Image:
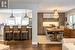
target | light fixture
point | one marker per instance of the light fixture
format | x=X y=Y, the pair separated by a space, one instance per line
x=12 y=16
x=25 y=15
x=56 y=15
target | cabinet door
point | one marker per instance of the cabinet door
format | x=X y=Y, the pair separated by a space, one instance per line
x=67 y=33
x=72 y=34
x=55 y=47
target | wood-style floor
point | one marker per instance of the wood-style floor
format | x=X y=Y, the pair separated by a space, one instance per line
x=40 y=47
x=26 y=45
x=48 y=47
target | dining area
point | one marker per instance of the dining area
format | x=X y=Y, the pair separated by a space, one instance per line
x=55 y=34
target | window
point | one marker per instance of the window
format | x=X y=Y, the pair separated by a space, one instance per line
x=10 y=21
x=71 y=21
x=25 y=21
x=18 y=20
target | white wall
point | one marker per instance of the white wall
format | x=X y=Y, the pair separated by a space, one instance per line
x=34 y=27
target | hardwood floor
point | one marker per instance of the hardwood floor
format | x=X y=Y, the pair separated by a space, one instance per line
x=26 y=45
x=40 y=47
x=48 y=47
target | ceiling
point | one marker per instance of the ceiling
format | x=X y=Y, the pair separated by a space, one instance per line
x=48 y=5
x=15 y=11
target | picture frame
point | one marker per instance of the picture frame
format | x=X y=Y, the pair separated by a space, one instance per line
x=3 y=4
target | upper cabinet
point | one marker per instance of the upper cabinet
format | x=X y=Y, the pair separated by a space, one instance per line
x=45 y=15
x=50 y=19
x=50 y=15
x=54 y=18
x=53 y=14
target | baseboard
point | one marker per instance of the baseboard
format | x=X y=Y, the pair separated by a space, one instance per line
x=34 y=43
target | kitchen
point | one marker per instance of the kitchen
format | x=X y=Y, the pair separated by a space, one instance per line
x=15 y=25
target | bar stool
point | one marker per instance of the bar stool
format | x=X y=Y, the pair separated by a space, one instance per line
x=16 y=33
x=7 y=33
x=24 y=33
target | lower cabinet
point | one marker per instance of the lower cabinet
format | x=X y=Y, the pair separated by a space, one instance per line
x=72 y=34
x=69 y=33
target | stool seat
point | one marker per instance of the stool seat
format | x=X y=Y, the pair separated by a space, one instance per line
x=24 y=31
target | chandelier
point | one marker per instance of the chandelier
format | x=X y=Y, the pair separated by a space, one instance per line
x=56 y=15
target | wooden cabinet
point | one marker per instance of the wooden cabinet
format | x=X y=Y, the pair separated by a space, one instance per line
x=69 y=33
x=55 y=47
x=72 y=34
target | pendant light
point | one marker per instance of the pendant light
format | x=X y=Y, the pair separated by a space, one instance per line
x=56 y=15
x=26 y=16
x=12 y=16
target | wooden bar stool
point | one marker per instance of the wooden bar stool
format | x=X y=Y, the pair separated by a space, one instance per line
x=7 y=33
x=16 y=33
x=24 y=33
